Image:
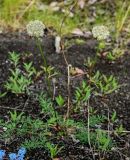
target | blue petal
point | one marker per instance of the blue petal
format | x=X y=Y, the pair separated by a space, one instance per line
x=12 y=156
x=2 y=154
x=22 y=151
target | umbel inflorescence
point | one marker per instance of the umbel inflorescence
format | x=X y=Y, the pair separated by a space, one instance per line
x=35 y=28
x=100 y=32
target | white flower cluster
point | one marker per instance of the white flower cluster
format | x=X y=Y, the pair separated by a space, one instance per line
x=100 y=32
x=35 y=28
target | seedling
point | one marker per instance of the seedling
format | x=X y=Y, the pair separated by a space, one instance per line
x=14 y=58
x=82 y=94
x=46 y=105
x=90 y=64
x=50 y=71
x=120 y=130
x=21 y=126
x=103 y=141
x=30 y=70
x=35 y=142
x=98 y=137
x=18 y=81
x=2 y=94
x=16 y=84
x=114 y=55
x=60 y=100
x=110 y=56
x=114 y=117
x=104 y=84
x=53 y=149
x=15 y=117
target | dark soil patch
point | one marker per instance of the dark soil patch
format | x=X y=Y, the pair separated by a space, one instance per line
x=118 y=101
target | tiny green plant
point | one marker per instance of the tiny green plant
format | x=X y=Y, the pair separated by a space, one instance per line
x=51 y=71
x=30 y=70
x=53 y=149
x=60 y=100
x=104 y=84
x=82 y=94
x=2 y=94
x=95 y=120
x=114 y=117
x=10 y=126
x=15 y=117
x=110 y=86
x=114 y=55
x=90 y=62
x=110 y=56
x=35 y=142
x=21 y=126
x=99 y=138
x=120 y=130
x=18 y=81
x=103 y=140
x=46 y=104
x=54 y=120
x=14 y=58
x=48 y=110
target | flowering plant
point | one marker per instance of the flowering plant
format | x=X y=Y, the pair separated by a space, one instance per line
x=101 y=33
x=36 y=29
x=14 y=156
x=2 y=154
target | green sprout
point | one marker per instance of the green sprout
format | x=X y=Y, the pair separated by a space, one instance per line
x=60 y=100
x=53 y=149
x=82 y=94
x=18 y=81
x=105 y=84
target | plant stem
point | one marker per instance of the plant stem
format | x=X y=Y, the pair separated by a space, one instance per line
x=68 y=88
x=41 y=52
x=45 y=65
x=88 y=128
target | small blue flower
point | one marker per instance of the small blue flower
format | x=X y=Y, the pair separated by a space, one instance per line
x=12 y=156
x=2 y=154
x=21 y=153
